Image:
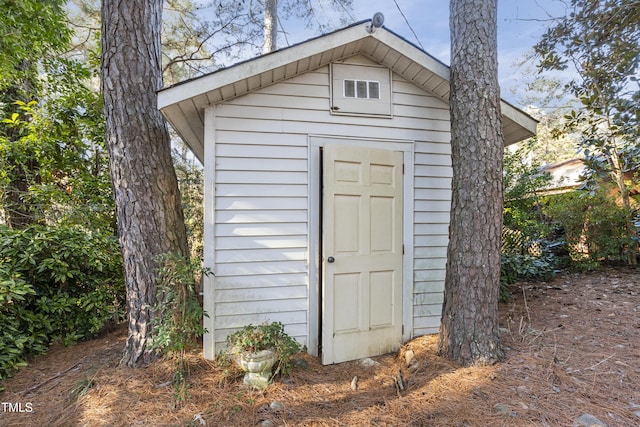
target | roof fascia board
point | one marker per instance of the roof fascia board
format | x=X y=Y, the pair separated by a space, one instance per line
x=412 y=52
x=180 y=92
x=518 y=116
x=256 y=66
x=419 y=56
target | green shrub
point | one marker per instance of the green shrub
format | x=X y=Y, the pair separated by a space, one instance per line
x=252 y=339
x=56 y=284
x=522 y=215
x=595 y=227
x=178 y=323
x=516 y=267
x=15 y=339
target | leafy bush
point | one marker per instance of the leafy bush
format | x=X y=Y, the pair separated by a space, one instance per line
x=56 y=284
x=178 y=324
x=516 y=267
x=14 y=340
x=595 y=227
x=522 y=213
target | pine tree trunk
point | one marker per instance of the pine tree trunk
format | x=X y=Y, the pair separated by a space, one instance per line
x=149 y=212
x=270 y=25
x=469 y=328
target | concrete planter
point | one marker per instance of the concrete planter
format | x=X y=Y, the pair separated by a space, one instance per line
x=257 y=367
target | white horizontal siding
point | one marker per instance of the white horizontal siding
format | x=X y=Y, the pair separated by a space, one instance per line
x=263 y=268
x=430 y=251
x=432 y=204
x=265 y=190
x=431 y=229
x=428 y=276
x=263 y=216
x=261 y=281
x=433 y=171
x=295 y=324
x=261 y=205
x=260 y=222
x=265 y=177
x=262 y=242
x=267 y=145
x=257 y=255
x=356 y=127
x=438 y=164
x=433 y=148
x=260 y=229
x=229 y=323
x=433 y=182
x=260 y=202
x=255 y=164
x=426 y=321
x=261 y=294
x=431 y=193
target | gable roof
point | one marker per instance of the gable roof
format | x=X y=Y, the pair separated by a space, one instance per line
x=183 y=104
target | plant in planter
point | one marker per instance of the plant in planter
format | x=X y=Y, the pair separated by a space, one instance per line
x=257 y=349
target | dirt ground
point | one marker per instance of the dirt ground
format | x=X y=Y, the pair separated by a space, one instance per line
x=572 y=350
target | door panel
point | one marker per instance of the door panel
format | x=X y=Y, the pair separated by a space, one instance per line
x=348 y=224
x=362 y=252
x=381 y=293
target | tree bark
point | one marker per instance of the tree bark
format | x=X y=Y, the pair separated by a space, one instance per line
x=617 y=171
x=270 y=25
x=19 y=213
x=149 y=212
x=469 y=325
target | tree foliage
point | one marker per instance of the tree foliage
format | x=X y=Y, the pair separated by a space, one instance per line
x=60 y=271
x=54 y=165
x=32 y=33
x=51 y=142
x=57 y=284
x=594 y=227
x=600 y=42
x=216 y=33
x=200 y=37
x=190 y=175
x=523 y=180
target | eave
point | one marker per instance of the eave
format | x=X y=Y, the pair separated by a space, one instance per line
x=183 y=104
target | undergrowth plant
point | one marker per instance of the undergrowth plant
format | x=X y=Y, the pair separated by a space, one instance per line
x=595 y=227
x=255 y=338
x=57 y=284
x=516 y=267
x=178 y=323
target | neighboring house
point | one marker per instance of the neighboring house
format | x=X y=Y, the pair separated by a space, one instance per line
x=327 y=190
x=565 y=176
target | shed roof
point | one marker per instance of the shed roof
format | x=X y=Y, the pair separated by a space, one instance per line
x=183 y=104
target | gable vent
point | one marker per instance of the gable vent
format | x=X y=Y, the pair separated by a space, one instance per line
x=363 y=89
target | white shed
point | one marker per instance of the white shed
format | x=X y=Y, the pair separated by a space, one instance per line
x=327 y=190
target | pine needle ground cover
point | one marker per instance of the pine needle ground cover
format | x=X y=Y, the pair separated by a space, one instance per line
x=572 y=349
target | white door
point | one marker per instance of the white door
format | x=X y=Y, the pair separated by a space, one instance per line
x=362 y=252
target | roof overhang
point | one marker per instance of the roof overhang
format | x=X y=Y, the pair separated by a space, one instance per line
x=183 y=104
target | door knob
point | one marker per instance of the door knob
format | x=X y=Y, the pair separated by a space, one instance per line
x=331 y=259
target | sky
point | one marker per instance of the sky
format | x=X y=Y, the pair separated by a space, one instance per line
x=520 y=25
